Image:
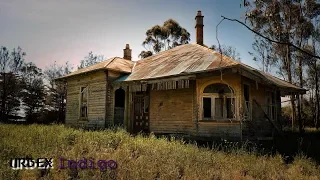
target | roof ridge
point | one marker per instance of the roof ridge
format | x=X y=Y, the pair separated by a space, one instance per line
x=161 y=52
x=109 y=62
x=214 y=51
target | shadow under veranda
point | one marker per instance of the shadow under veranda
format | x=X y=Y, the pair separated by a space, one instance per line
x=290 y=145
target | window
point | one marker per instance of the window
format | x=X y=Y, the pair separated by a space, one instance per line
x=271 y=105
x=246 y=96
x=207 y=107
x=84 y=102
x=230 y=107
x=217 y=102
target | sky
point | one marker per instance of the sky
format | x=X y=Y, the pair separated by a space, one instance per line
x=59 y=31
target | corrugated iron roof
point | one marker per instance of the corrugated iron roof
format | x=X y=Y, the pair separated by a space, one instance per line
x=115 y=63
x=192 y=58
x=182 y=59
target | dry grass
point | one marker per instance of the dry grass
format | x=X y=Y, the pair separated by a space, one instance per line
x=137 y=157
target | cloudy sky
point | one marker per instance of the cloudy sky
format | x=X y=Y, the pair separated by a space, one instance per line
x=60 y=30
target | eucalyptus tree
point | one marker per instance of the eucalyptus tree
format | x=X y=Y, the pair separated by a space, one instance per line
x=91 y=59
x=57 y=90
x=167 y=36
x=33 y=92
x=288 y=22
x=229 y=51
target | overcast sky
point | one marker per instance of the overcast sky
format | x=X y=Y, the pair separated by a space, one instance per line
x=60 y=30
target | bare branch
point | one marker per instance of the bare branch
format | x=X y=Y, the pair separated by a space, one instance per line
x=271 y=40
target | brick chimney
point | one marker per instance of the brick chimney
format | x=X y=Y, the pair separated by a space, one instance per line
x=127 y=52
x=199 y=28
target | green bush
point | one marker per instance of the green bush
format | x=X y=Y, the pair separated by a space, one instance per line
x=137 y=157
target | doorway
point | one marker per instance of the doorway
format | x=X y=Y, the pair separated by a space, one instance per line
x=119 y=103
x=141 y=112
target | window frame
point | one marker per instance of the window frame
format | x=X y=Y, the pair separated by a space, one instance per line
x=249 y=117
x=213 y=96
x=272 y=105
x=81 y=102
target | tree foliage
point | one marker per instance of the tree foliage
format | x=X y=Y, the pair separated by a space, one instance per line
x=57 y=91
x=290 y=22
x=89 y=60
x=229 y=51
x=263 y=53
x=167 y=36
x=10 y=81
x=33 y=92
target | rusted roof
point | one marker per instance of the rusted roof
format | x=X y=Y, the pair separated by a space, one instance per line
x=182 y=59
x=115 y=63
x=192 y=58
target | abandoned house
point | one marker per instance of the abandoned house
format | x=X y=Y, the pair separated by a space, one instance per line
x=189 y=89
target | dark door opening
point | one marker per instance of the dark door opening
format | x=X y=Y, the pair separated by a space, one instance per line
x=119 y=102
x=141 y=112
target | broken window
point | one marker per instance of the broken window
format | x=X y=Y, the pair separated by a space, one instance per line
x=84 y=102
x=271 y=105
x=217 y=102
x=246 y=95
x=207 y=107
x=218 y=108
x=230 y=107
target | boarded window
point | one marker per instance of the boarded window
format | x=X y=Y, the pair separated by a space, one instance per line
x=206 y=107
x=84 y=102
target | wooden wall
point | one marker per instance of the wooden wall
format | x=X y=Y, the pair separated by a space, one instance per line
x=96 y=98
x=259 y=126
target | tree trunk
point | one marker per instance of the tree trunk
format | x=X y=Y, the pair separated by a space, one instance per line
x=299 y=114
x=3 y=103
x=300 y=97
x=293 y=115
x=317 y=97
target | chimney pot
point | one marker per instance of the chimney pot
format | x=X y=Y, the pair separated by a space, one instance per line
x=199 y=28
x=127 y=52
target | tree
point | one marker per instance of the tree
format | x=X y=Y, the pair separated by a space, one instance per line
x=167 y=36
x=89 y=60
x=10 y=82
x=263 y=53
x=57 y=91
x=229 y=51
x=285 y=21
x=33 y=91
x=145 y=54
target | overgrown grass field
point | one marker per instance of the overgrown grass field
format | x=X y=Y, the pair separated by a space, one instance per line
x=137 y=157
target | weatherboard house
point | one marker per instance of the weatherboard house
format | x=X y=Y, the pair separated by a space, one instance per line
x=189 y=90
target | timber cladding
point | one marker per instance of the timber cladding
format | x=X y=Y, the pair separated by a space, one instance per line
x=96 y=83
x=258 y=126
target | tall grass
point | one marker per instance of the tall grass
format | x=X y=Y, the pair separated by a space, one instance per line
x=137 y=157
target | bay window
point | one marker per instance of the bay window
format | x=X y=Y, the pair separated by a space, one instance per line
x=218 y=102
